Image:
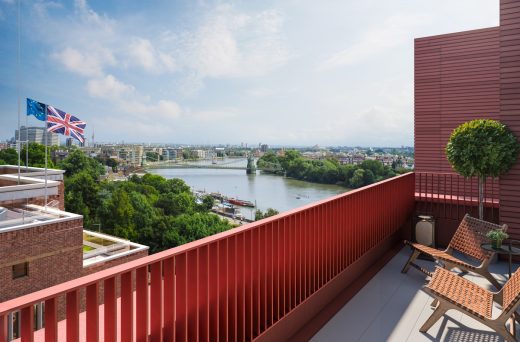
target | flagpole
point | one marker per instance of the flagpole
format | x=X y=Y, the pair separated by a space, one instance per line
x=46 y=134
x=19 y=147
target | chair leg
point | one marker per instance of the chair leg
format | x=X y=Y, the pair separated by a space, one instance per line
x=438 y=313
x=506 y=334
x=411 y=259
x=491 y=279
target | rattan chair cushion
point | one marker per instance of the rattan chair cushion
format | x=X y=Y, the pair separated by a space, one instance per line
x=440 y=255
x=462 y=293
x=470 y=235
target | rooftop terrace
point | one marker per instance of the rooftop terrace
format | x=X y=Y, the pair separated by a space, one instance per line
x=392 y=307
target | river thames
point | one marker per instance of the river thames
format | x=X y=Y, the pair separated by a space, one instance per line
x=269 y=191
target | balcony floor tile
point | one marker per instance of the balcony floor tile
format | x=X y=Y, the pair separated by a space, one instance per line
x=392 y=307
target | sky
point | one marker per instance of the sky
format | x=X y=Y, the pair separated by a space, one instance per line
x=279 y=72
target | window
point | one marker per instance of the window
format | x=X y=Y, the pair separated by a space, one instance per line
x=20 y=270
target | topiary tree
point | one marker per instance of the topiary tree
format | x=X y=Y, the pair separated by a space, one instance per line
x=482 y=148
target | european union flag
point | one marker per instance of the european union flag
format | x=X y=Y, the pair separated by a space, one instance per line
x=37 y=109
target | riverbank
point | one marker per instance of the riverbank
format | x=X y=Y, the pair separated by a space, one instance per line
x=267 y=190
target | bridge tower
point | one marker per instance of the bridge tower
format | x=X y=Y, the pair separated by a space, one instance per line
x=251 y=167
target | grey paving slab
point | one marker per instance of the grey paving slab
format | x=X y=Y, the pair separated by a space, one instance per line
x=392 y=307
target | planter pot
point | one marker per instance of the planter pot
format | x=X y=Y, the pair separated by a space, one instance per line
x=497 y=244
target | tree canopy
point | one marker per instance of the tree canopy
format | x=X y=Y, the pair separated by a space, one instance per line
x=482 y=148
x=327 y=171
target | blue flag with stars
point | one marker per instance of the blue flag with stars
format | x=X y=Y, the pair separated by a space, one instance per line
x=37 y=109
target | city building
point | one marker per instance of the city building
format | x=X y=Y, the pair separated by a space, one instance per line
x=169 y=153
x=42 y=245
x=37 y=135
x=287 y=277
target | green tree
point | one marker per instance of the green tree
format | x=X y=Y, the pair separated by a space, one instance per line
x=36 y=155
x=482 y=148
x=176 y=204
x=207 y=203
x=9 y=156
x=77 y=161
x=81 y=196
x=268 y=213
x=358 y=179
x=118 y=215
x=375 y=166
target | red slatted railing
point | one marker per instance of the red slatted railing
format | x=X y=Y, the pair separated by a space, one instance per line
x=234 y=285
x=450 y=195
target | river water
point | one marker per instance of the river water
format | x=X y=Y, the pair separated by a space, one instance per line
x=269 y=191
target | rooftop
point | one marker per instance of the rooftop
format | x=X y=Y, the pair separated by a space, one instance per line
x=392 y=307
x=98 y=248
x=31 y=215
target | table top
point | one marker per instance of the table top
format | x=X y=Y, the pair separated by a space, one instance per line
x=505 y=249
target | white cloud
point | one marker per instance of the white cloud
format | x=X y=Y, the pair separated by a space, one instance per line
x=108 y=87
x=163 y=109
x=229 y=43
x=395 y=31
x=125 y=97
x=144 y=54
x=212 y=116
x=87 y=63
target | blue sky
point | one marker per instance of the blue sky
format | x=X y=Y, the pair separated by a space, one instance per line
x=336 y=72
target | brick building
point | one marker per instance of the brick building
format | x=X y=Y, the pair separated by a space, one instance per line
x=41 y=246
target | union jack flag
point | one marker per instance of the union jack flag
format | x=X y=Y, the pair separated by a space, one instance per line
x=64 y=123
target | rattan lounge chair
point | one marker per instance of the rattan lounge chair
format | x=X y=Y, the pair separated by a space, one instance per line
x=470 y=234
x=454 y=292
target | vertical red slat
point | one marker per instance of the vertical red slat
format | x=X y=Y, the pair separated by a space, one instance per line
x=110 y=310
x=258 y=280
x=203 y=293
x=92 y=312
x=72 y=316
x=232 y=288
x=270 y=273
x=181 y=324
x=240 y=284
x=141 y=313
x=3 y=328
x=223 y=290
x=51 y=320
x=27 y=329
x=264 y=271
x=248 y=287
x=214 y=290
x=156 y=302
x=127 y=307
x=278 y=265
x=192 y=297
x=169 y=300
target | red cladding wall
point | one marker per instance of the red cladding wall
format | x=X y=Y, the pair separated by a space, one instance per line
x=510 y=107
x=456 y=80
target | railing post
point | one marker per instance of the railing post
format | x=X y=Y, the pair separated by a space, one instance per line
x=127 y=307
x=3 y=328
x=27 y=320
x=141 y=324
x=51 y=320
x=72 y=316
x=110 y=310
x=92 y=313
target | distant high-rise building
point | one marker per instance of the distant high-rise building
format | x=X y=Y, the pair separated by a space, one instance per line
x=37 y=135
x=264 y=147
x=68 y=142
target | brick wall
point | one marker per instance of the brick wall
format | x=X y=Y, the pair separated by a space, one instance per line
x=53 y=251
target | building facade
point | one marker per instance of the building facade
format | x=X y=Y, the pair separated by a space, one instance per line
x=38 y=135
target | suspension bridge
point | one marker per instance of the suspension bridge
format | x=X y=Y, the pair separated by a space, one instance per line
x=236 y=164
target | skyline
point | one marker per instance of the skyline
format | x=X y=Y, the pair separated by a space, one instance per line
x=276 y=72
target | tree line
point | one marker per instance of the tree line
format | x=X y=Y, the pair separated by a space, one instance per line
x=327 y=171
x=151 y=210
